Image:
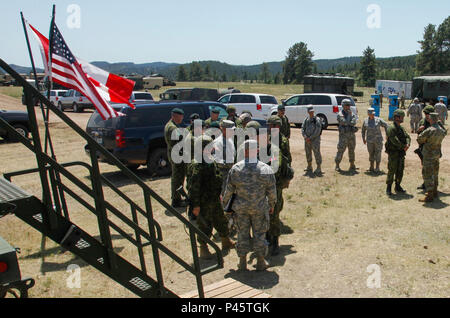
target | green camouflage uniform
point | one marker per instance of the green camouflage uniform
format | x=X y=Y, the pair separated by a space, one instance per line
x=312 y=128
x=209 y=121
x=178 y=169
x=285 y=127
x=255 y=188
x=371 y=134
x=415 y=111
x=397 y=140
x=204 y=184
x=347 y=138
x=431 y=139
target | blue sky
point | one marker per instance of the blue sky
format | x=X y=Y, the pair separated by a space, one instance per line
x=241 y=32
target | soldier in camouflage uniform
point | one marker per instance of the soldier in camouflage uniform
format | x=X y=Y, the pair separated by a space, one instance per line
x=372 y=137
x=254 y=185
x=285 y=125
x=197 y=129
x=442 y=110
x=283 y=156
x=424 y=124
x=204 y=184
x=215 y=112
x=431 y=139
x=397 y=144
x=224 y=150
x=415 y=110
x=311 y=131
x=232 y=116
x=245 y=118
x=173 y=135
x=347 y=129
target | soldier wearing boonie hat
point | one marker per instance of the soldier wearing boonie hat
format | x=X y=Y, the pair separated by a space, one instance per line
x=172 y=129
x=431 y=139
x=372 y=137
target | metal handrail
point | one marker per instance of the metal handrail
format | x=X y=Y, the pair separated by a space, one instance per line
x=97 y=192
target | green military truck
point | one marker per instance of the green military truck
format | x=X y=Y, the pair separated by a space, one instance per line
x=429 y=88
x=332 y=84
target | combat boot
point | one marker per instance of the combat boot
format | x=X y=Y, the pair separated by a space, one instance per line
x=435 y=192
x=352 y=166
x=309 y=169
x=428 y=197
x=337 y=168
x=399 y=189
x=204 y=252
x=261 y=264
x=377 y=169
x=371 y=169
x=242 y=266
x=227 y=243
x=389 y=189
x=318 y=171
x=275 y=246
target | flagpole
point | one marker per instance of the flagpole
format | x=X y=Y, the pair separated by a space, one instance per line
x=29 y=49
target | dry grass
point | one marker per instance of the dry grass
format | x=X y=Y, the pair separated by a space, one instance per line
x=334 y=226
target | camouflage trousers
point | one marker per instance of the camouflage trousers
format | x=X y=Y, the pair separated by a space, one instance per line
x=212 y=216
x=314 y=146
x=259 y=223
x=415 y=120
x=177 y=179
x=375 y=149
x=275 y=223
x=430 y=173
x=346 y=140
x=396 y=165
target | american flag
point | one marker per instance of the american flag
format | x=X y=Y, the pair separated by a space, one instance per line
x=67 y=71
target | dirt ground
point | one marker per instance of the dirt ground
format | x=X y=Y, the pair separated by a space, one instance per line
x=334 y=228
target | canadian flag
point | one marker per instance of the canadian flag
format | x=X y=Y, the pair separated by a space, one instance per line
x=113 y=88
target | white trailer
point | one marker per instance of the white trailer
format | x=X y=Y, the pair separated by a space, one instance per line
x=394 y=87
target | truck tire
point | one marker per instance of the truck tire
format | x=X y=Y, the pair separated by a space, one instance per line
x=324 y=121
x=158 y=163
x=60 y=107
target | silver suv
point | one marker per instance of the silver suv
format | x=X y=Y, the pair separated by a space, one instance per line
x=75 y=100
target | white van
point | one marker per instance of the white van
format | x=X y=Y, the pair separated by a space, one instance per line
x=259 y=105
x=326 y=106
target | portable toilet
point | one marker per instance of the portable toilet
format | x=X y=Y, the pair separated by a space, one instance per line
x=393 y=105
x=444 y=98
x=376 y=104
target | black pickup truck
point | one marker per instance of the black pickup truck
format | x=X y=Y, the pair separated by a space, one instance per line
x=18 y=119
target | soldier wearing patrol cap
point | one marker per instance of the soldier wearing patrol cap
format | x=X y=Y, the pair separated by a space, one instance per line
x=311 y=131
x=193 y=117
x=347 y=138
x=285 y=125
x=431 y=139
x=397 y=144
x=215 y=112
x=224 y=149
x=372 y=137
x=415 y=110
x=253 y=183
x=173 y=135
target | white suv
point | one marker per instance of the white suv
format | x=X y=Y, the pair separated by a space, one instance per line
x=326 y=106
x=75 y=100
x=55 y=95
x=259 y=105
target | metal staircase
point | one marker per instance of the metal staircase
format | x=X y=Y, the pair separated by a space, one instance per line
x=50 y=214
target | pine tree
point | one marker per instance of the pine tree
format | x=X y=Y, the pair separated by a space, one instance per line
x=297 y=64
x=443 y=46
x=265 y=74
x=181 y=75
x=426 y=61
x=368 y=70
